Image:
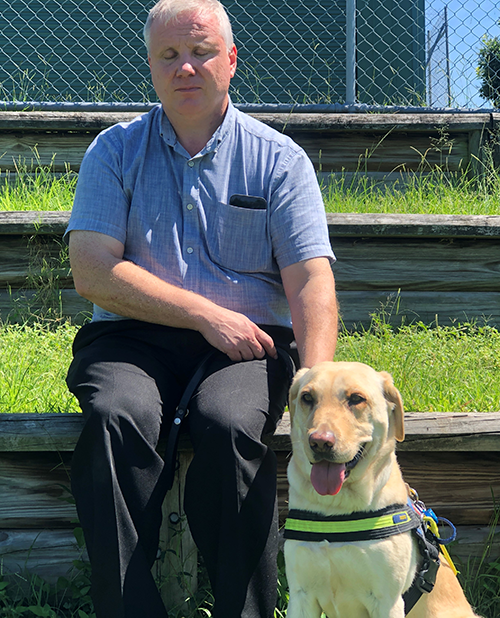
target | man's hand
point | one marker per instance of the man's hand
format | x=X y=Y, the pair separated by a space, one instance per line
x=237 y=336
x=102 y=276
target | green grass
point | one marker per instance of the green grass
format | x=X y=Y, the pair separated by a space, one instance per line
x=480 y=576
x=438 y=369
x=36 y=188
x=33 y=364
x=30 y=596
x=436 y=193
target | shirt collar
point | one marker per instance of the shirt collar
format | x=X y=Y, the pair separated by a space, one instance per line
x=167 y=132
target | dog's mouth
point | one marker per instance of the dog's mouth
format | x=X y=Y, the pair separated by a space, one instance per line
x=328 y=477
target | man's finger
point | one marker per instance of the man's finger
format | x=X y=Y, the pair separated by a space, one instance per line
x=267 y=343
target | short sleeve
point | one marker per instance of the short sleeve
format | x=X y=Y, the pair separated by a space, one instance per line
x=299 y=229
x=101 y=204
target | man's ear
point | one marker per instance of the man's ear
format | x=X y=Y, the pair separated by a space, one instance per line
x=233 y=60
x=392 y=395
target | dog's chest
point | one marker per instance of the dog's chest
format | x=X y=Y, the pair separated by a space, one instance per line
x=350 y=579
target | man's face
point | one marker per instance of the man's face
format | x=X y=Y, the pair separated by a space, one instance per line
x=191 y=66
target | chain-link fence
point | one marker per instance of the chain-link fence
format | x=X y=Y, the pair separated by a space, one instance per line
x=378 y=52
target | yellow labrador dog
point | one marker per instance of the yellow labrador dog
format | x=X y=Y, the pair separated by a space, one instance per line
x=346 y=418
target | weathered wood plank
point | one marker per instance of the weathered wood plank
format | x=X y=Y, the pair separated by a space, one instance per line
x=59 y=432
x=177 y=568
x=368 y=153
x=29 y=222
x=22 y=257
x=328 y=151
x=96 y=121
x=459 y=486
x=436 y=261
x=47 y=553
x=440 y=265
x=472 y=542
x=62 y=121
x=372 y=263
x=39 y=432
x=409 y=225
x=426 y=431
x=392 y=140
x=339 y=224
x=14 y=304
x=59 y=151
x=50 y=553
x=429 y=431
x=356 y=307
x=35 y=491
x=380 y=123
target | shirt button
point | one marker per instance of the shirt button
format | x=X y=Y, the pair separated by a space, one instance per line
x=190 y=206
x=190 y=249
x=191 y=163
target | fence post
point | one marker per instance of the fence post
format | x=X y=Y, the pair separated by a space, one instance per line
x=350 y=81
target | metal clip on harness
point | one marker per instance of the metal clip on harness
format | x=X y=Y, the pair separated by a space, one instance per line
x=431 y=545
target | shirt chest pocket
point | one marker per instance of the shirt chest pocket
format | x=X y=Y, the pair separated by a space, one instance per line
x=238 y=238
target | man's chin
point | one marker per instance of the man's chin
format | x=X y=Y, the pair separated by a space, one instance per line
x=192 y=103
x=195 y=106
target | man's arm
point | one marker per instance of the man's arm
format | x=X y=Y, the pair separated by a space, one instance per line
x=310 y=290
x=102 y=276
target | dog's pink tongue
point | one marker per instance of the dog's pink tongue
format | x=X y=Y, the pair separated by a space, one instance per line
x=327 y=478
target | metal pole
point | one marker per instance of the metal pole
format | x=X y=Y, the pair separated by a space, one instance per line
x=447 y=54
x=429 y=74
x=350 y=79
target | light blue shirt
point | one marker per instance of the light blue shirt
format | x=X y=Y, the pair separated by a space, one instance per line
x=222 y=223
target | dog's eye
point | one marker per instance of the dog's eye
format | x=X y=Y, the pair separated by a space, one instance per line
x=355 y=399
x=307 y=398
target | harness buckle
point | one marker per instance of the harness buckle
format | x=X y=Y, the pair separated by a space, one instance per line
x=427 y=577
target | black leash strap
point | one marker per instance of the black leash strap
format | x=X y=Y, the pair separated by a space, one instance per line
x=180 y=414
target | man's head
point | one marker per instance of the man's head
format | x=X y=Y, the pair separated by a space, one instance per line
x=169 y=10
x=192 y=60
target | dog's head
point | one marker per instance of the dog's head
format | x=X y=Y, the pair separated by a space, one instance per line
x=344 y=415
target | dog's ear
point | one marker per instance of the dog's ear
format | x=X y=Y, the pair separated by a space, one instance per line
x=294 y=389
x=392 y=394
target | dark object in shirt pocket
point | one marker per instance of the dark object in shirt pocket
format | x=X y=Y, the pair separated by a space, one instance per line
x=248 y=201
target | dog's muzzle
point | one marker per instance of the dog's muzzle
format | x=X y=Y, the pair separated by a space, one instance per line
x=328 y=476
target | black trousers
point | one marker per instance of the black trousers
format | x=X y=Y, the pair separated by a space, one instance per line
x=128 y=377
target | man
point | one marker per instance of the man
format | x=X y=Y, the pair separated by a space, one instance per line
x=195 y=230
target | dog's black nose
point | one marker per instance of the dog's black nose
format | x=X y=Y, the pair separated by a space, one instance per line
x=321 y=441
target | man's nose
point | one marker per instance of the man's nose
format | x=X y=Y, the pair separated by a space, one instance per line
x=186 y=67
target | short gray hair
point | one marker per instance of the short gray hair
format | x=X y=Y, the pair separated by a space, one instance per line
x=169 y=10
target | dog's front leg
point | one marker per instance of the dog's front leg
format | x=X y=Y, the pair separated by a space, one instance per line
x=301 y=560
x=386 y=609
x=302 y=605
